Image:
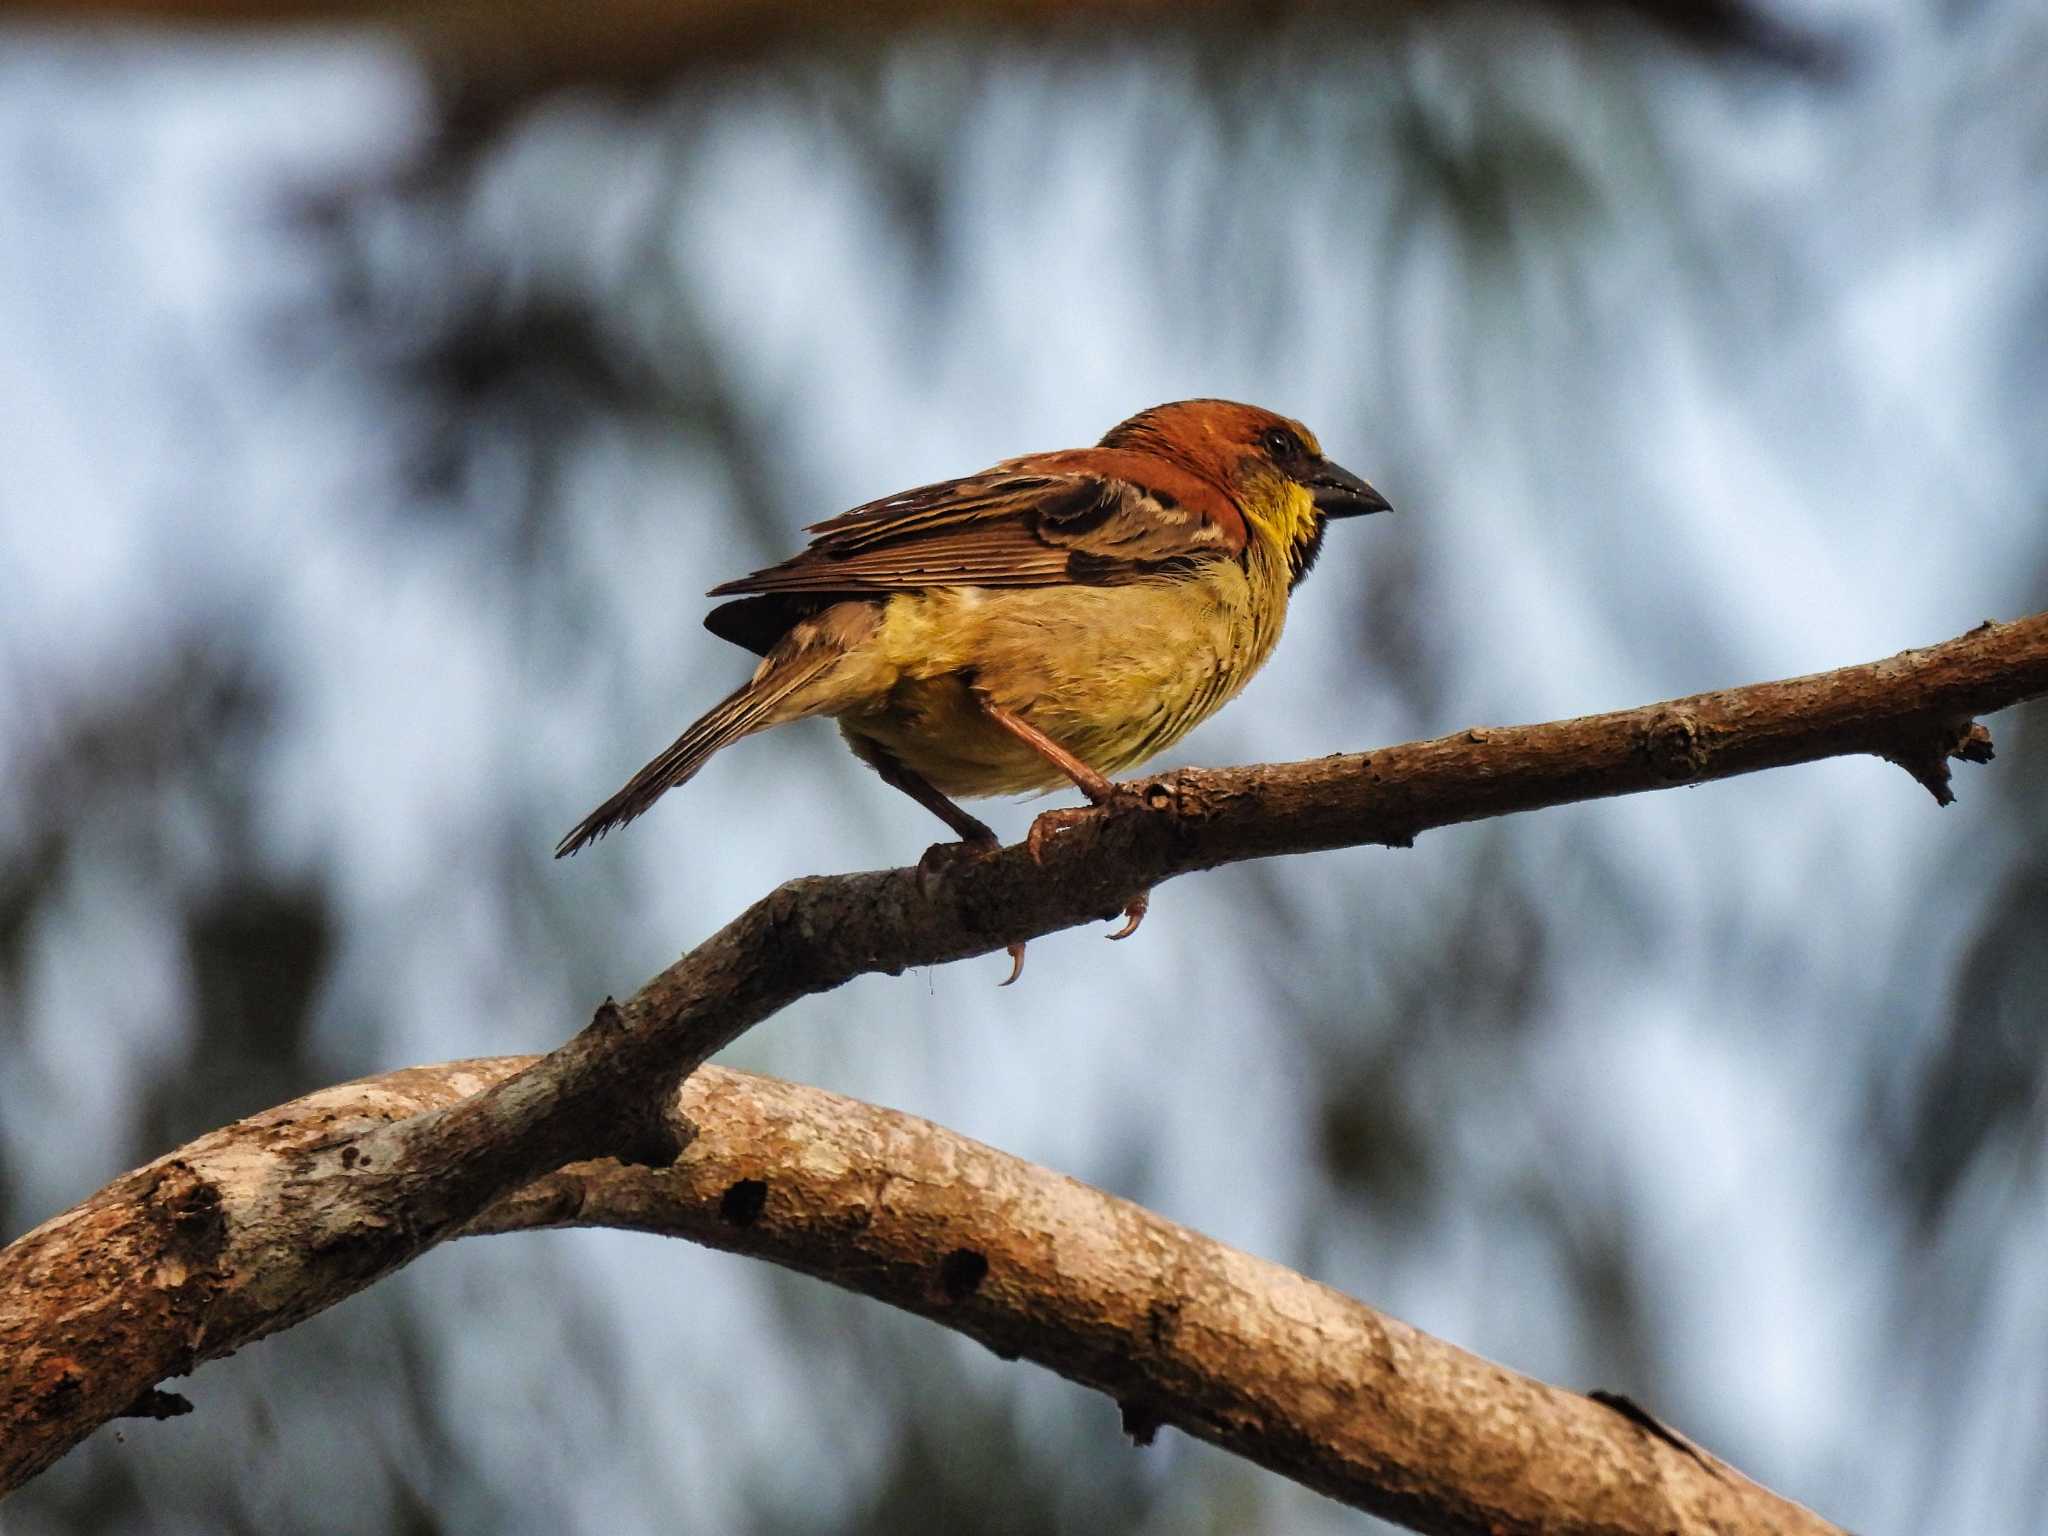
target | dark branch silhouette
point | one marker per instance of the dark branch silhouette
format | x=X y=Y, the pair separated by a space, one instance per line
x=486 y=61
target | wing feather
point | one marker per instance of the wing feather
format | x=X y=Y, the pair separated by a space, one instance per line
x=1101 y=517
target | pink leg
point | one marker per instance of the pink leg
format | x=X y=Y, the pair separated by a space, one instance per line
x=1092 y=784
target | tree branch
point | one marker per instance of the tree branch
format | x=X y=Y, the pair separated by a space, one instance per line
x=257 y=1227
x=1177 y=1328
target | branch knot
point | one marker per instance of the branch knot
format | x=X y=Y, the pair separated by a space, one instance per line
x=1675 y=746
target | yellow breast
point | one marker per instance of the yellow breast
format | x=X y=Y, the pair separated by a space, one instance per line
x=1114 y=674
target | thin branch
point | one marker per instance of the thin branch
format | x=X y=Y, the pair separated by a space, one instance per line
x=262 y=1225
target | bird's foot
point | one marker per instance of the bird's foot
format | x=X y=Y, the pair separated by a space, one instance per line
x=1051 y=824
x=1056 y=823
x=942 y=858
x=1063 y=819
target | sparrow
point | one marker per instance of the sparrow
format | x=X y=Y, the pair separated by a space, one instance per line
x=1057 y=618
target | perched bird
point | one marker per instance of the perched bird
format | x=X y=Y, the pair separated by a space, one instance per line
x=1061 y=616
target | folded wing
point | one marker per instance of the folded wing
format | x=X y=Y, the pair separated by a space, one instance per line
x=1093 y=516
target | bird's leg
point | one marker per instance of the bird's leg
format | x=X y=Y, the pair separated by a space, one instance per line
x=1092 y=784
x=977 y=841
x=974 y=834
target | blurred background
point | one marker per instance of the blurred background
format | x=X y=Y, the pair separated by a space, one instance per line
x=379 y=395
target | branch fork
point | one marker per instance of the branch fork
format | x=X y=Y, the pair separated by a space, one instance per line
x=257 y=1226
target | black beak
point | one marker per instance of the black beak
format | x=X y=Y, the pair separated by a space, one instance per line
x=1339 y=493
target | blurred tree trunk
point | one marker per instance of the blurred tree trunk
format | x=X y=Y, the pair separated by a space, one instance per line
x=488 y=59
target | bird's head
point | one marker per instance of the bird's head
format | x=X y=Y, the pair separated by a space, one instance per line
x=1272 y=468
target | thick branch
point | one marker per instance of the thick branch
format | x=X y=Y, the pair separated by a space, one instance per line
x=1177 y=1328
x=356 y=1203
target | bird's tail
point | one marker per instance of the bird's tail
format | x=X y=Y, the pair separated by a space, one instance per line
x=753 y=708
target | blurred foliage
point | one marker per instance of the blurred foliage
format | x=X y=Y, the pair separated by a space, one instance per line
x=530 y=297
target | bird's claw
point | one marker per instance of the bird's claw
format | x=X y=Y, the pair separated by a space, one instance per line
x=1050 y=824
x=1134 y=914
x=1053 y=823
x=942 y=856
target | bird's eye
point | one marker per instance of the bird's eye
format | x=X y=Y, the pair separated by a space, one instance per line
x=1279 y=443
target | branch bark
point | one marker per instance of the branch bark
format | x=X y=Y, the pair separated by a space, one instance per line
x=263 y=1224
x=1177 y=1328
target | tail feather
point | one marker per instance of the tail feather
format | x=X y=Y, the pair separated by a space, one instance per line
x=750 y=709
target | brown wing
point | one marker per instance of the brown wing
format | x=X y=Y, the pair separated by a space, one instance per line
x=1093 y=516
